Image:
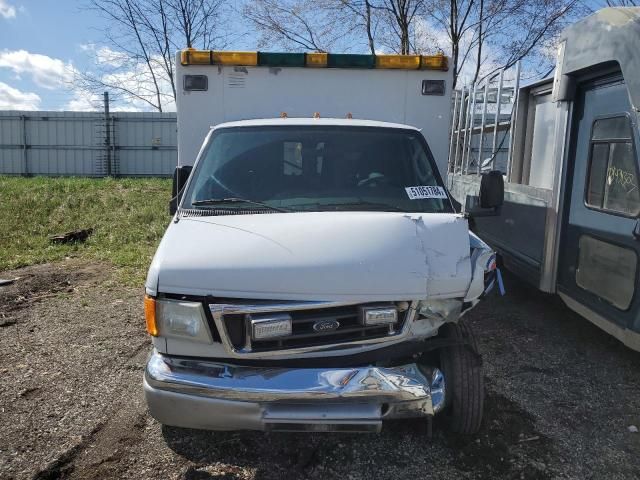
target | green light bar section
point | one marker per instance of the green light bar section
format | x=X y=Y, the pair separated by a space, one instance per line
x=349 y=60
x=272 y=59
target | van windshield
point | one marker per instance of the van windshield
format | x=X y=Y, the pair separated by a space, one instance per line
x=317 y=168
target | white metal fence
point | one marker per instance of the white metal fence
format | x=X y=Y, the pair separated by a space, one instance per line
x=87 y=143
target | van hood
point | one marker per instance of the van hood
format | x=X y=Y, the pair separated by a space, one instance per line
x=319 y=256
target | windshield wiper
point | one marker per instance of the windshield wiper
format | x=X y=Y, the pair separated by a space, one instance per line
x=217 y=201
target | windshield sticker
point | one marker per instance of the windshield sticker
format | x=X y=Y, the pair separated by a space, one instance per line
x=425 y=191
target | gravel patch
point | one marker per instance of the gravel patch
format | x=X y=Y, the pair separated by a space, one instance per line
x=561 y=396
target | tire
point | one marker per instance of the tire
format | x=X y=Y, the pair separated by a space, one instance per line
x=464 y=382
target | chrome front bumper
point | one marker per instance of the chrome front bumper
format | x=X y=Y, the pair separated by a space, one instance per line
x=216 y=396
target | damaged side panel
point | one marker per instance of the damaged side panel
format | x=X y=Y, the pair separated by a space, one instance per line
x=447 y=256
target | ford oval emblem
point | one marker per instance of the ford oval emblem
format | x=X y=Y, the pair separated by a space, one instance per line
x=326 y=325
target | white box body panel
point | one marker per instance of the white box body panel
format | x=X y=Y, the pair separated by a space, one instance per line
x=243 y=93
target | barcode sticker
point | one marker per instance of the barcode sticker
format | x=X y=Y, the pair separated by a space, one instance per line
x=425 y=191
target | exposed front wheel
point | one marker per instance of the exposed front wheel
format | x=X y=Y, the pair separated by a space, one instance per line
x=462 y=369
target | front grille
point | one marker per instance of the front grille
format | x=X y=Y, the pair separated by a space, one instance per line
x=302 y=333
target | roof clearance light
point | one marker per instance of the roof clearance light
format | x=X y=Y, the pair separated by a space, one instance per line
x=316 y=59
x=191 y=56
x=235 y=58
x=435 y=62
x=405 y=62
x=349 y=60
x=268 y=59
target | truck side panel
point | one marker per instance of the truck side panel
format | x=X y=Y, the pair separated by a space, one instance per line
x=518 y=233
x=241 y=93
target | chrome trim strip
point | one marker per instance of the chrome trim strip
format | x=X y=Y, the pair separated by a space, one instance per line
x=218 y=310
x=267 y=307
x=407 y=383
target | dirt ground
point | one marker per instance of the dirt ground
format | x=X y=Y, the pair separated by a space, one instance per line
x=560 y=398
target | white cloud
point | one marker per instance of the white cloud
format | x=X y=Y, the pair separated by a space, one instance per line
x=7 y=10
x=13 y=99
x=127 y=79
x=106 y=56
x=137 y=79
x=46 y=72
x=84 y=102
x=116 y=70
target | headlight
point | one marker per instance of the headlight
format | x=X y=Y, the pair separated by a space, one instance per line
x=181 y=319
x=447 y=309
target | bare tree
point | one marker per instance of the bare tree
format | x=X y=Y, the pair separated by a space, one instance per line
x=455 y=17
x=363 y=13
x=136 y=60
x=319 y=25
x=498 y=33
x=298 y=24
x=526 y=26
x=400 y=18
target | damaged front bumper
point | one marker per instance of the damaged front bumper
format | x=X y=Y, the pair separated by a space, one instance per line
x=217 y=396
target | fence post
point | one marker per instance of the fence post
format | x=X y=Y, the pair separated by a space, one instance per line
x=107 y=133
x=115 y=166
x=25 y=160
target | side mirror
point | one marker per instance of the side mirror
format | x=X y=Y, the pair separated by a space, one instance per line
x=491 y=190
x=491 y=195
x=180 y=177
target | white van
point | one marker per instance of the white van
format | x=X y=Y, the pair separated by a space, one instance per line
x=315 y=271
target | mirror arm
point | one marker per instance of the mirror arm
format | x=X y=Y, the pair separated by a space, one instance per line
x=483 y=212
x=180 y=177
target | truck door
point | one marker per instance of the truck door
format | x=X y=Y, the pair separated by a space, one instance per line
x=600 y=246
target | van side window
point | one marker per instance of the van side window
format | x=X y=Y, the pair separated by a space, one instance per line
x=612 y=183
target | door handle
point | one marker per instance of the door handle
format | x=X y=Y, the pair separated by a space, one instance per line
x=636 y=230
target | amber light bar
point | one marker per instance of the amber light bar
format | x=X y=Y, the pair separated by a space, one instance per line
x=318 y=60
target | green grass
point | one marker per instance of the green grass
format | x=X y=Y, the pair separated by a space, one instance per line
x=128 y=216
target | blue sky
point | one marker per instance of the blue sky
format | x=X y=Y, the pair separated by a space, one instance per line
x=39 y=39
x=42 y=42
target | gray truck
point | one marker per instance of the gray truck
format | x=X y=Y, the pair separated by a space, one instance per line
x=569 y=224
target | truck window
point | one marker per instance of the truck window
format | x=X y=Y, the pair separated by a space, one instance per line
x=314 y=168
x=612 y=183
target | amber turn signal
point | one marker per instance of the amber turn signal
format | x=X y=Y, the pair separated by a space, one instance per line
x=150 y=315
